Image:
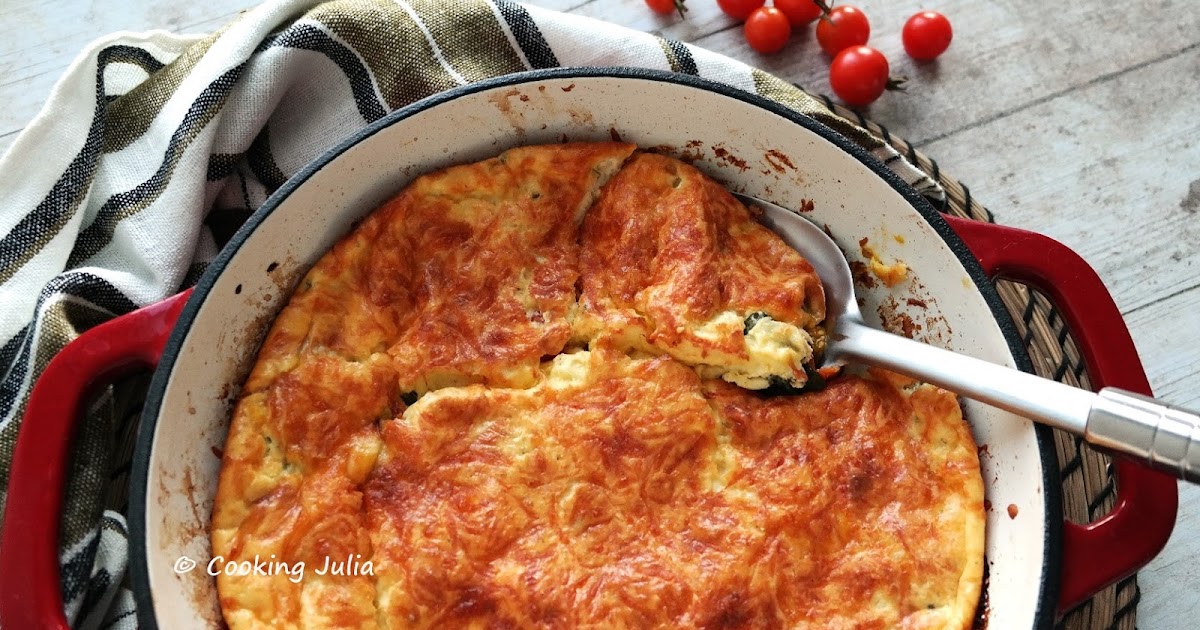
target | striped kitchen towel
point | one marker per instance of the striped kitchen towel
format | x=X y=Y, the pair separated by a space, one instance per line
x=154 y=147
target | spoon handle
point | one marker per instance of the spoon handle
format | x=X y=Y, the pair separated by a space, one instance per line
x=1164 y=437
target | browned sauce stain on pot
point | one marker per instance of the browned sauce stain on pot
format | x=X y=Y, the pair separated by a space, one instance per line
x=614 y=134
x=202 y=586
x=203 y=596
x=501 y=100
x=987 y=505
x=228 y=392
x=916 y=317
x=1012 y=510
x=692 y=152
x=896 y=320
x=806 y=206
x=568 y=88
x=256 y=329
x=163 y=493
x=199 y=525
x=937 y=329
x=691 y=155
x=907 y=326
x=239 y=361
x=504 y=105
x=725 y=156
x=862 y=275
x=284 y=275
x=915 y=313
x=181 y=530
x=779 y=161
x=581 y=117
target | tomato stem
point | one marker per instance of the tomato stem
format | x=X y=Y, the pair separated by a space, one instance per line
x=679 y=6
x=825 y=8
x=897 y=83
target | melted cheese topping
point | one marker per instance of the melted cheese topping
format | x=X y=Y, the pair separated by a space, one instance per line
x=467 y=276
x=295 y=458
x=771 y=349
x=628 y=493
x=672 y=263
x=418 y=416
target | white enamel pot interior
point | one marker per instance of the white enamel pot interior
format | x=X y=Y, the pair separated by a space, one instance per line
x=751 y=144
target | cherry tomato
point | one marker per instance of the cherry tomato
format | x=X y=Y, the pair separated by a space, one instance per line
x=665 y=7
x=926 y=35
x=858 y=75
x=845 y=26
x=740 y=9
x=799 y=12
x=767 y=30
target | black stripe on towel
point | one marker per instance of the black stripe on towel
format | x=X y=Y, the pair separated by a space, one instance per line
x=526 y=32
x=309 y=37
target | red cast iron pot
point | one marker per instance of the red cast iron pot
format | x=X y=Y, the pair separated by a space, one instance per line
x=202 y=342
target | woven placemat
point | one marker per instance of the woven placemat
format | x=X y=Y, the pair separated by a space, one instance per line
x=1087 y=481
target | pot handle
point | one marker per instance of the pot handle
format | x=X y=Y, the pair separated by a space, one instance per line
x=30 y=592
x=1118 y=544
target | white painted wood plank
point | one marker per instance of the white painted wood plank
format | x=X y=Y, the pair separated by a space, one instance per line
x=1169 y=332
x=1169 y=582
x=1168 y=585
x=1005 y=54
x=1109 y=170
x=39 y=40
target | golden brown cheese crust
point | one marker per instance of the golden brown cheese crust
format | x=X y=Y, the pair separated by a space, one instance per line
x=627 y=493
x=872 y=487
x=671 y=262
x=595 y=490
x=295 y=458
x=467 y=276
x=496 y=245
x=529 y=508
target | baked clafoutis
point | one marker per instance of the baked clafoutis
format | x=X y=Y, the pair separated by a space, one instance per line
x=576 y=386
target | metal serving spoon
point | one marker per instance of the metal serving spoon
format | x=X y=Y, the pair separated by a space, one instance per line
x=1165 y=437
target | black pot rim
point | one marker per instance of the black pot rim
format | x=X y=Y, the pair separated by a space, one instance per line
x=1052 y=543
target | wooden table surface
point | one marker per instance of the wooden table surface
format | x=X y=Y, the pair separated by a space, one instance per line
x=1076 y=119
